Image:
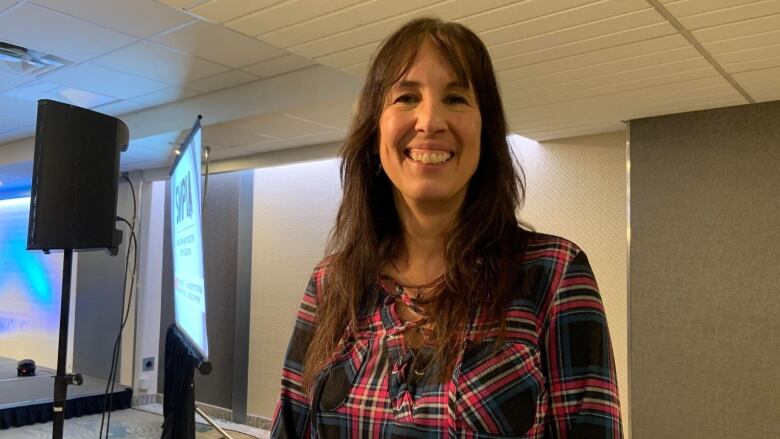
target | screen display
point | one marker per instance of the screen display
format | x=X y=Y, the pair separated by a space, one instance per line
x=187 y=238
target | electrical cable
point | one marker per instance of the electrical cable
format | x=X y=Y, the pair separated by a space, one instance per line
x=132 y=245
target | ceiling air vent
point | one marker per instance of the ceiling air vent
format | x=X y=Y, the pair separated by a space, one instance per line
x=22 y=61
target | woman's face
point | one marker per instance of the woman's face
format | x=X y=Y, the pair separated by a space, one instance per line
x=429 y=133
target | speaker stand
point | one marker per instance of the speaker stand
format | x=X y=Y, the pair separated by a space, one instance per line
x=62 y=380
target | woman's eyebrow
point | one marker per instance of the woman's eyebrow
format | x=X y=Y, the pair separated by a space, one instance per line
x=457 y=84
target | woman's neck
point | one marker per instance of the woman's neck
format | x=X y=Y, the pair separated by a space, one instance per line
x=420 y=258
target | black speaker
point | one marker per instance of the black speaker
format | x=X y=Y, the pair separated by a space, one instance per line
x=75 y=179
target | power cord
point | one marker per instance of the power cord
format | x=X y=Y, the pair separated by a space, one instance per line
x=132 y=246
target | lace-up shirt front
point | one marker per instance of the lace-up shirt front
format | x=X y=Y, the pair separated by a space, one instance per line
x=552 y=377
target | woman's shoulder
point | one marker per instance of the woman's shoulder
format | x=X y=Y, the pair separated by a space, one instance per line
x=550 y=248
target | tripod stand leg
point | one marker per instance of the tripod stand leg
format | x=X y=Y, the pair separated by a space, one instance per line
x=61 y=380
x=213 y=424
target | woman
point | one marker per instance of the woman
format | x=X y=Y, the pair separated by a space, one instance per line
x=435 y=314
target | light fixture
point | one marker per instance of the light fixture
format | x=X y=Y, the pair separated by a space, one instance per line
x=22 y=61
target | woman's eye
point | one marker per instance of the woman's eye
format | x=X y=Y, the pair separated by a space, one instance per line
x=406 y=99
x=456 y=99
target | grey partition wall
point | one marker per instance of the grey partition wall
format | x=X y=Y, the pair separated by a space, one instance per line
x=704 y=288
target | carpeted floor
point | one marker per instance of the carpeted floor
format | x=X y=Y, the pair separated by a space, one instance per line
x=125 y=424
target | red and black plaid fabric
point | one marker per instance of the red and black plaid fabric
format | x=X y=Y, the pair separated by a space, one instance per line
x=552 y=377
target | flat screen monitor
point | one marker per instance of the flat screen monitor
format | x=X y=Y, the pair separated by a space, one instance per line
x=189 y=286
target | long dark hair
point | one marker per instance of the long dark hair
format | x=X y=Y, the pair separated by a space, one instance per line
x=483 y=244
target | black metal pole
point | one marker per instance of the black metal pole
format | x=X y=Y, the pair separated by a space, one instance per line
x=61 y=380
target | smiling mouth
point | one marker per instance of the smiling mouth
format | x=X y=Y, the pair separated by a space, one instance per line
x=428 y=157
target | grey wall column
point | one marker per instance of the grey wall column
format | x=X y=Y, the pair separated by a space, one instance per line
x=243 y=296
x=704 y=277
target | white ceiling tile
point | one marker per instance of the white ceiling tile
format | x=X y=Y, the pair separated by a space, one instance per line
x=282 y=126
x=171 y=94
x=282 y=64
x=584 y=21
x=739 y=29
x=220 y=81
x=225 y=136
x=160 y=63
x=38 y=28
x=216 y=43
x=334 y=114
x=8 y=82
x=98 y=79
x=370 y=21
x=360 y=70
x=731 y=14
x=5 y=4
x=518 y=12
x=16 y=108
x=589 y=45
x=577 y=73
x=744 y=43
x=351 y=56
x=626 y=52
x=220 y=11
x=594 y=29
x=755 y=64
x=120 y=107
x=686 y=8
x=182 y=4
x=285 y=14
x=141 y=18
x=754 y=53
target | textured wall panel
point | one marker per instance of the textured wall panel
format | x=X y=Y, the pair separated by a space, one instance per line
x=576 y=188
x=705 y=228
x=294 y=209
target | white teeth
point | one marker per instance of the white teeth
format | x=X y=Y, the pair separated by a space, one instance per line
x=429 y=157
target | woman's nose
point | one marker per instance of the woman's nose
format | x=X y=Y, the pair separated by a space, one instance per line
x=430 y=118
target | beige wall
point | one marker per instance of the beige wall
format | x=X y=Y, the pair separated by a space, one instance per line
x=294 y=210
x=576 y=188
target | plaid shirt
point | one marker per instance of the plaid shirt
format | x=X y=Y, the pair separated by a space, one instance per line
x=553 y=377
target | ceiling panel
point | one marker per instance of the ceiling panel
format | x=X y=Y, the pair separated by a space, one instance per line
x=573 y=72
x=747 y=55
x=746 y=42
x=151 y=61
x=277 y=66
x=582 y=22
x=285 y=14
x=515 y=12
x=221 y=80
x=75 y=39
x=220 y=11
x=5 y=4
x=334 y=114
x=739 y=29
x=585 y=46
x=140 y=18
x=731 y=14
x=687 y=8
x=756 y=64
x=225 y=136
x=380 y=20
x=8 y=82
x=120 y=107
x=282 y=126
x=170 y=94
x=209 y=41
x=102 y=80
x=182 y=4
x=595 y=29
x=633 y=51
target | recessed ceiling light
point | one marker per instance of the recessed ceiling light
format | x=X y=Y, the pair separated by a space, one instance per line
x=22 y=61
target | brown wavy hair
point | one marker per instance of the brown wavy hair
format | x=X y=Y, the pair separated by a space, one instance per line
x=483 y=244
